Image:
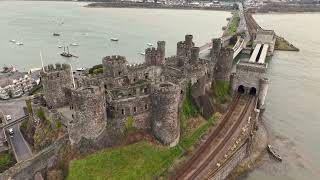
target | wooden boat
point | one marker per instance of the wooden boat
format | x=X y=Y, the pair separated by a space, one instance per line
x=67 y=53
x=56 y=34
x=273 y=153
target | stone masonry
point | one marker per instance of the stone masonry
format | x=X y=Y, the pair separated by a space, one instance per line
x=150 y=93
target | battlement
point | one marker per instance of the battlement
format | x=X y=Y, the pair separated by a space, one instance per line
x=115 y=59
x=55 y=68
x=166 y=87
x=136 y=66
x=86 y=92
x=253 y=67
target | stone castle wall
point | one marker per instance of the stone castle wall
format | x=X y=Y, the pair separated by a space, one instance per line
x=55 y=79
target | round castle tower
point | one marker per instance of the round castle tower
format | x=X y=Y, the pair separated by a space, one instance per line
x=263 y=90
x=165 y=121
x=114 y=66
x=223 y=67
x=55 y=79
x=161 y=52
x=216 y=47
x=89 y=118
x=194 y=55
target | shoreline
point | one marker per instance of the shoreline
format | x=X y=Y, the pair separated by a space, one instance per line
x=153 y=6
x=258 y=150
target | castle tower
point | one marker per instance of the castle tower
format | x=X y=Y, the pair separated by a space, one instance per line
x=161 y=52
x=89 y=118
x=165 y=123
x=55 y=79
x=195 y=55
x=216 y=47
x=114 y=66
x=188 y=40
x=263 y=90
x=223 y=66
x=156 y=57
x=184 y=47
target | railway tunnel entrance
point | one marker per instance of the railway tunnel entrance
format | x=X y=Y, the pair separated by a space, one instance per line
x=241 y=89
x=253 y=91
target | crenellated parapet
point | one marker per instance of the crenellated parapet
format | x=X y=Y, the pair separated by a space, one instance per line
x=156 y=56
x=114 y=66
x=55 y=79
x=89 y=117
x=165 y=122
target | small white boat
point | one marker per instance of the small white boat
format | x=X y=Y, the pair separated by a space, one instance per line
x=149 y=44
x=74 y=44
x=59 y=46
x=142 y=53
x=114 y=39
x=19 y=43
x=12 y=40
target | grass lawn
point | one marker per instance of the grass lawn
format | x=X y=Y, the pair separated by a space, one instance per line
x=6 y=161
x=141 y=160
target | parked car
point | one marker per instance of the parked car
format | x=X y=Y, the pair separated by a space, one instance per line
x=10 y=131
x=8 y=117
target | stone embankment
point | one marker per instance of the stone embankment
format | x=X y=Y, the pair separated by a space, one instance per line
x=154 y=6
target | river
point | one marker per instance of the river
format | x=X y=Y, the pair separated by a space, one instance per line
x=292 y=115
x=33 y=23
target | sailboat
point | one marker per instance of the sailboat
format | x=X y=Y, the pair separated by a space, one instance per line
x=66 y=54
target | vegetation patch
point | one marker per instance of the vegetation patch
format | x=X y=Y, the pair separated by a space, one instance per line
x=7 y=160
x=188 y=108
x=221 y=91
x=142 y=160
x=233 y=25
x=97 y=69
x=35 y=89
x=130 y=125
x=284 y=45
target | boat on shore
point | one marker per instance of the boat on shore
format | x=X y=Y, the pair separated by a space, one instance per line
x=114 y=39
x=273 y=153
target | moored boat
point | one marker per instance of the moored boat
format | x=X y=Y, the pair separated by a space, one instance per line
x=114 y=39
x=273 y=153
x=56 y=34
x=149 y=44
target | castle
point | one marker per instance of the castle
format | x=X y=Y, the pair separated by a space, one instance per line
x=150 y=94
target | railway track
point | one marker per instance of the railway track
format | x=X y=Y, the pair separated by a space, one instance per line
x=192 y=168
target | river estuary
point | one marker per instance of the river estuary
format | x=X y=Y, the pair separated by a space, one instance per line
x=292 y=115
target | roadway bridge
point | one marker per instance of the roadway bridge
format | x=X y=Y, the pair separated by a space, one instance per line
x=231 y=132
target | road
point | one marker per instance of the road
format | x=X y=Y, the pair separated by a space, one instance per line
x=19 y=145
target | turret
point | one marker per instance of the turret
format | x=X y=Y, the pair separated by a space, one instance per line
x=223 y=66
x=195 y=55
x=216 y=47
x=161 y=52
x=165 y=102
x=55 y=80
x=263 y=90
x=89 y=117
x=114 y=66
